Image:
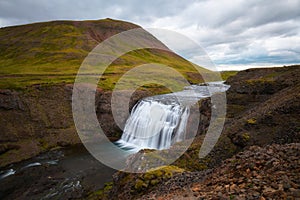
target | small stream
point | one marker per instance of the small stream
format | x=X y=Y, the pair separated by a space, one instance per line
x=58 y=174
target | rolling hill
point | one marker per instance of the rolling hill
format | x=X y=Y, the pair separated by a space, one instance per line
x=52 y=52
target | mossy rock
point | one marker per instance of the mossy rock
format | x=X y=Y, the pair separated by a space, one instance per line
x=153 y=177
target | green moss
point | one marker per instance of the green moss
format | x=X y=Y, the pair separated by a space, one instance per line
x=154 y=177
x=190 y=160
x=154 y=182
x=246 y=137
x=251 y=121
x=140 y=185
x=102 y=193
x=149 y=176
x=168 y=174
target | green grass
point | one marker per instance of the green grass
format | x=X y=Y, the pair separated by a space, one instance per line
x=22 y=82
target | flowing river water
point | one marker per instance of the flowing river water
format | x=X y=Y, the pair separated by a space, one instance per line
x=68 y=173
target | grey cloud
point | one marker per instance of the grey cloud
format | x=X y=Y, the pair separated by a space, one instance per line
x=234 y=33
x=25 y=11
x=274 y=11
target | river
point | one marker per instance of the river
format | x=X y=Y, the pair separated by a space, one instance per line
x=58 y=174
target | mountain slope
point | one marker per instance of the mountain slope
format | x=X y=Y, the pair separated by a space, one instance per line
x=52 y=52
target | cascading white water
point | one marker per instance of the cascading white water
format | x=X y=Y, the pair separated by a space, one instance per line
x=160 y=121
x=154 y=125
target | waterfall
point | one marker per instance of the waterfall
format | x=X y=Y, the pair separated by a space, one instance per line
x=154 y=125
x=160 y=121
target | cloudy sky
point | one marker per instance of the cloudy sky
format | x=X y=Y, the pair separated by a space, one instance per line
x=236 y=35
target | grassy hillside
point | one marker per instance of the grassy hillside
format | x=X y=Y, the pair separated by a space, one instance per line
x=53 y=47
x=52 y=52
